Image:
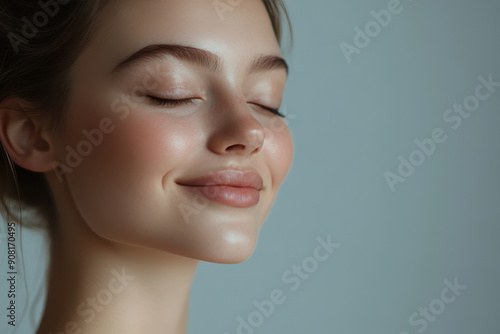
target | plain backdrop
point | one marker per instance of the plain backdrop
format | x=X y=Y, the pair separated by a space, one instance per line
x=356 y=116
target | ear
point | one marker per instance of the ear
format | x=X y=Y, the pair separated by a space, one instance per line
x=25 y=138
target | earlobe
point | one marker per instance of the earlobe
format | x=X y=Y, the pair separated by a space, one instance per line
x=25 y=139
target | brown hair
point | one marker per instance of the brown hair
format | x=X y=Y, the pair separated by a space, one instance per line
x=39 y=41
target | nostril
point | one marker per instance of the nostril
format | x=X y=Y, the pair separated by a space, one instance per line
x=257 y=149
x=236 y=147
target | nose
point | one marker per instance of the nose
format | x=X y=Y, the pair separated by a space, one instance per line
x=235 y=130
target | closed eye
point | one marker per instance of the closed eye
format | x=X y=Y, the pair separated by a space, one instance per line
x=273 y=110
x=170 y=102
x=191 y=100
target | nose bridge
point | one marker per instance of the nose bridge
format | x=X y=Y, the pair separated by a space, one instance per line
x=235 y=128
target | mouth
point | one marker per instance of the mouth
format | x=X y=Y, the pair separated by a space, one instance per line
x=235 y=188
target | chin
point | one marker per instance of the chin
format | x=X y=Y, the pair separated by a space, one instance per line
x=232 y=248
x=233 y=254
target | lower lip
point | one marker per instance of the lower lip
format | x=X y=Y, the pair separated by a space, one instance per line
x=232 y=196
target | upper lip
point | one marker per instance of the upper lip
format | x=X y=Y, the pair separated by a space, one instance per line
x=227 y=177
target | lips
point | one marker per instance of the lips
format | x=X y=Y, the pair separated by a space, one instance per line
x=228 y=177
x=235 y=188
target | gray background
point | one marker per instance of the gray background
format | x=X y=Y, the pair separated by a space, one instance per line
x=350 y=123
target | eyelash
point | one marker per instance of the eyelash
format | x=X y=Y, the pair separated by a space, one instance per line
x=175 y=103
x=170 y=102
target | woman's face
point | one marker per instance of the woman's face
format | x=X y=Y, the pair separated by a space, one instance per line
x=128 y=155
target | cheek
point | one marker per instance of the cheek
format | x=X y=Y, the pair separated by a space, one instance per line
x=278 y=151
x=118 y=188
x=124 y=142
x=144 y=145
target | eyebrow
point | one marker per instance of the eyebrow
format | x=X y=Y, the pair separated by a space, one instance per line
x=199 y=57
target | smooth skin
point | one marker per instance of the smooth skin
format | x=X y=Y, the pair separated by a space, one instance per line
x=120 y=208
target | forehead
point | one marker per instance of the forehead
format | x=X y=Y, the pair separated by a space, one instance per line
x=235 y=33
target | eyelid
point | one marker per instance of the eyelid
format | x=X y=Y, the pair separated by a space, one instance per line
x=275 y=111
x=159 y=101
